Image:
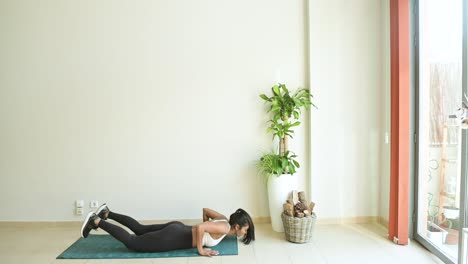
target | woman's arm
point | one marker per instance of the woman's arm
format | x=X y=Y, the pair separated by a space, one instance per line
x=211 y=214
x=209 y=227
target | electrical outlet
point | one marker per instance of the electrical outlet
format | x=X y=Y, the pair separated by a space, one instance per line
x=79 y=203
x=94 y=204
x=79 y=211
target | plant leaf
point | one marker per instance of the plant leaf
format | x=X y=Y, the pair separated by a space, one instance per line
x=279 y=171
x=264 y=97
x=295 y=123
x=284 y=163
x=296 y=114
x=277 y=116
x=296 y=163
x=276 y=90
x=275 y=108
x=285 y=90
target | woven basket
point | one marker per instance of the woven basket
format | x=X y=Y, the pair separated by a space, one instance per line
x=298 y=230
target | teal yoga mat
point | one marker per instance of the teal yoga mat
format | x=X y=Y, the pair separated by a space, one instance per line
x=107 y=247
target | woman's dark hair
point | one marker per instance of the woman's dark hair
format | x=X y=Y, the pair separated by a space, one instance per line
x=242 y=218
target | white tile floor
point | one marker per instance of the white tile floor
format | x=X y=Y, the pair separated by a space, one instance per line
x=352 y=243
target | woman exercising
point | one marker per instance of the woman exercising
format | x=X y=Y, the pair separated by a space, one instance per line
x=172 y=235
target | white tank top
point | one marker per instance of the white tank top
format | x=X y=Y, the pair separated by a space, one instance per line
x=209 y=241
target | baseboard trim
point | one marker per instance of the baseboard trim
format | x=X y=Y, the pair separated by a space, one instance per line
x=383 y=222
x=38 y=224
x=256 y=220
x=262 y=220
x=348 y=220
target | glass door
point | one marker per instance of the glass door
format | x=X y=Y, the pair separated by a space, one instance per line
x=439 y=95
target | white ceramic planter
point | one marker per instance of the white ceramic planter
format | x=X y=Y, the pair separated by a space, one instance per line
x=451 y=213
x=279 y=189
x=437 y=235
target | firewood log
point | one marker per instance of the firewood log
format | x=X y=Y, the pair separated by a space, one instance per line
x=302 y=197
x=300 y=207
x=295 y=197
x=288 y=206
x=311 y=207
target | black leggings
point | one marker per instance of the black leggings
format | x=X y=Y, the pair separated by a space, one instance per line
x=149 y=238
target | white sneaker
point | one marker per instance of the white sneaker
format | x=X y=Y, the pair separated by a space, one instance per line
x=102 y=211
x=88 y=224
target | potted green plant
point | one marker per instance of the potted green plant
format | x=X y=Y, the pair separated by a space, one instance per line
x=280 y=165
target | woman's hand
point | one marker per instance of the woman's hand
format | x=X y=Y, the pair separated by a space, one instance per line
x=208 y=252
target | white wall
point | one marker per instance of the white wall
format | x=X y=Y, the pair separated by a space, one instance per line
x=347 y=131
x=153 y=106
x=384 y=187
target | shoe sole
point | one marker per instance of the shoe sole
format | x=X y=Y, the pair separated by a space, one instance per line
x=85 y=223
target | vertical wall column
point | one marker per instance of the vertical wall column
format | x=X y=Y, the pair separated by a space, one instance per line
x=400 y=121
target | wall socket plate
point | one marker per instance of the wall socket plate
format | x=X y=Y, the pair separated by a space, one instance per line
x=94 y=204
x=79 y=211
x=79 y=203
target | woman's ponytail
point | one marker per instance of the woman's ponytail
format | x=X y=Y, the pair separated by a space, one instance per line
x=242 y=218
